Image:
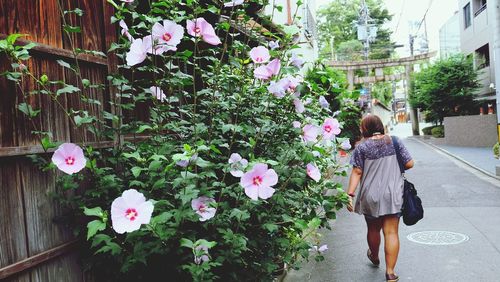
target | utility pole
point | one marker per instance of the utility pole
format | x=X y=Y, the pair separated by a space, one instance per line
x=408 y=70
x=496 y=55
x=367 y=32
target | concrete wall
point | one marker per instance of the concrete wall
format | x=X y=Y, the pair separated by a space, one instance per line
x=473 y=131
x=383 y=113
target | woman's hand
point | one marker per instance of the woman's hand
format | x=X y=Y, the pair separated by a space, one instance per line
x=350 y=207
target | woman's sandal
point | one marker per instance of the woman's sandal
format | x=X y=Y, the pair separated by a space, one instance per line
x=376 y=262
x=391 y=277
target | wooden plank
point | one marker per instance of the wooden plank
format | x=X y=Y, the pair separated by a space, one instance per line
x=13 y=244
x=64 y=268
x=31 y=262
x=44 y=49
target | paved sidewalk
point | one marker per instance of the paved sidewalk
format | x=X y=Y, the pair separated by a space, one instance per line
x=455 y=199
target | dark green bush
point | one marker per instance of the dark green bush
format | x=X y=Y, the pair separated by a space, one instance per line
x=438 y=131
x=427 y=130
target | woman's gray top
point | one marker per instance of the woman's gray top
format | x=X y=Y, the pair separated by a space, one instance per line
x=381 y=189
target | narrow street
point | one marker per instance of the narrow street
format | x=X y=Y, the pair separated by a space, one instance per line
x=456 y=199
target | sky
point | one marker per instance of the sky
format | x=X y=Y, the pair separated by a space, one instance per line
x=404 y=11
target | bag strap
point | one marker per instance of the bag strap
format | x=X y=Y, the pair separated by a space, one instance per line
x=395 y=143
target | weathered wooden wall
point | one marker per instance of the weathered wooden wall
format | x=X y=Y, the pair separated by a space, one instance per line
x=28 y=234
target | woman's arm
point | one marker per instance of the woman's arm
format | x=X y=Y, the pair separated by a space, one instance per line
x=353 y=184
x=409 y=164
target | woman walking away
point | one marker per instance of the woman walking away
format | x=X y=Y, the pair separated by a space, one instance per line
x=380 y=195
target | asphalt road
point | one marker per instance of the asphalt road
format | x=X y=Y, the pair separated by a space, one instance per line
x=456 y=199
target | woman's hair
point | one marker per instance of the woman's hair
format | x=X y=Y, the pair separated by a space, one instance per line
x=370 y=125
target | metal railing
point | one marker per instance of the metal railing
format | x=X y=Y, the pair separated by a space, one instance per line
x=476 y=13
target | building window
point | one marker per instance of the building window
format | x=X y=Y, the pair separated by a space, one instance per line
x=467 y=18
x=479 y=7
x=483 y=56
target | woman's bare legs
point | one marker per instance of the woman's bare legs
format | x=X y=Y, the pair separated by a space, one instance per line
x=373 y=235
x=390 y=226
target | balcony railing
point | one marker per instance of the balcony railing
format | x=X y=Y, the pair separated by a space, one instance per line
x=476 y=13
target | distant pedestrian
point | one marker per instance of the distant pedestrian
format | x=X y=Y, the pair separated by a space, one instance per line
x=380 y=196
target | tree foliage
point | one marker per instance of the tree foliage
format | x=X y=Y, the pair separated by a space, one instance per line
x=337 y=20
x=445 y=88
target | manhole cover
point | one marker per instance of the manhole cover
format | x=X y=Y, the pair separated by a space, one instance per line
x=437 y=238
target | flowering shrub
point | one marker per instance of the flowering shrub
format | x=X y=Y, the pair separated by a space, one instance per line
x=224 y=178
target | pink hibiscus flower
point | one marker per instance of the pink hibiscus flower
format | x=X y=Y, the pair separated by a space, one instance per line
x=260 y=55
x=279 y=88
x=323 y=102
x=69 y=158
x=124 y=31
x=158 y=93
x=310 y=133
x=313 y=172
x=331 y=127
x=259 y=181
x=138 y=51
x=267 y=71
x=237 y=164
x=296 y=124
x=167 y=36
x=299 y=106
x=296 y=60
x=201 y=28
x=201 y=254
x=130 y=211
x=202 y=207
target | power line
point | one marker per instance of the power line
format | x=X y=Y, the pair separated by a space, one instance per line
x=423 y=18
x=400 y=15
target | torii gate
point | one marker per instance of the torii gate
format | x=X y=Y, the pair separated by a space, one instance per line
x=378 y=65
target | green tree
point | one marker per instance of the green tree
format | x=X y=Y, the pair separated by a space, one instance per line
x=337 y=20
x=445 y=88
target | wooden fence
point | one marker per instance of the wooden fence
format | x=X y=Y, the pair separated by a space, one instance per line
x=32 y=246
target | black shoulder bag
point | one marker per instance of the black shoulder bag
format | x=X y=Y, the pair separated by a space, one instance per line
x=412 y=205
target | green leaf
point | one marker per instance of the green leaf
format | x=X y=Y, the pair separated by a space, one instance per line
x=97 y=211
x=187 y=243
x=46 y=143
x=93 y=227
x=67 y=89
x=143 y=128
x=28 y=110
x=64 y=64
x=79 y=120
x=11 y=39
x=72 y=29
x=291 y=29
x=136 y=171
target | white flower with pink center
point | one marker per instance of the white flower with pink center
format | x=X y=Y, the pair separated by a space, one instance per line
x=233 y=3
x=158 y=93
x=138 y=51
x=296 y=60
x=331 y=127
x=259 y=181
x=130 y=211
x=310 y=133
x=167 y=36
x=320 y=249
x=267 y=71
x=313 y=172
x=202 y=206
x=274 y=44
x=345 y=145
x=260 y=55
x=201 y=28
x=124 y=30
x=237 y=165
x=69 y=158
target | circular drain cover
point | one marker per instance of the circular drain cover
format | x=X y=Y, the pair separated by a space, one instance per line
x=437 y=238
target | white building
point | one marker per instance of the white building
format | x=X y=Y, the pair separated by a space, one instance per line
x=449 y=37
x=476 y=39
x=305 y=18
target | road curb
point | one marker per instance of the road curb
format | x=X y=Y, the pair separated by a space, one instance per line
x=485 y=172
